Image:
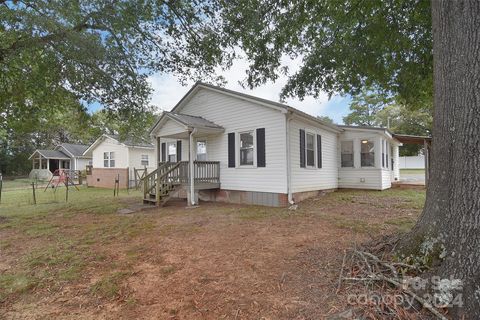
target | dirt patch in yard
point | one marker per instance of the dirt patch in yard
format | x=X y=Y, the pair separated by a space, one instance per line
x=217 y=261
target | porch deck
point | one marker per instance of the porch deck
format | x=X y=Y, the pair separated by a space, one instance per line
x=170 y=176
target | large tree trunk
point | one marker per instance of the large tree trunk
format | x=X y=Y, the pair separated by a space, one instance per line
x=452 y=208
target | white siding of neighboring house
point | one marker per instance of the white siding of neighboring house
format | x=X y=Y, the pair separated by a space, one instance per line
x=110 y=145
x=81 y=163
x=377 y=178
x=135 y=159
x=310 y=179
x=236 y=115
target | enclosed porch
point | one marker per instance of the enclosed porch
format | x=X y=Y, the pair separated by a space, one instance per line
x=46 y=162
x=182 y=153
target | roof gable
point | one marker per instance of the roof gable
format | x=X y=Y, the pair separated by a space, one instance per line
x=256 y=100
x=128 y=143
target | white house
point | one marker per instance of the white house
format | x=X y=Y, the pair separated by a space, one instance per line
x=66 y=156
x=245 y=149
x=113 y=157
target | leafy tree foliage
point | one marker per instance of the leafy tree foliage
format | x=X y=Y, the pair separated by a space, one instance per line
x=344 y=46
x=56 y=55
x=101 y=50
x=364 y=108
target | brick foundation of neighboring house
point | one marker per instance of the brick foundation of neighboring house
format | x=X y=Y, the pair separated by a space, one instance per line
x=105 y=177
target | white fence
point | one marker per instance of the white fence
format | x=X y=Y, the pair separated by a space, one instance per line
x=412 y=162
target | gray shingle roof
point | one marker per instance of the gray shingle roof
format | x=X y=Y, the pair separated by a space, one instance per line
x=193 y=121
x=76 y=149
x=53 y=154
x=131 y=142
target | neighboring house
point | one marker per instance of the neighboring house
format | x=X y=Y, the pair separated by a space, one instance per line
x=245 y=149
x=113 y=157
x=66 y=156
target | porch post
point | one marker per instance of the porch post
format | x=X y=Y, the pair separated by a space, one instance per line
x=48 y=164
x=192 y=170
x=40 y=161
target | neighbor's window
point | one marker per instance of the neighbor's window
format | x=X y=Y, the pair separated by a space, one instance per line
x=201 y=151
x=172 y=152
x=367 y=153
x=310 y=149
x=144 y=161
x=246 y=148
x=109 y=159
x=347 y=154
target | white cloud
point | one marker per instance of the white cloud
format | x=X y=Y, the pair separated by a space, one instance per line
x=168 y=91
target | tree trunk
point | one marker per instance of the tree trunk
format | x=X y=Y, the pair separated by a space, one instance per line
x=452 y=209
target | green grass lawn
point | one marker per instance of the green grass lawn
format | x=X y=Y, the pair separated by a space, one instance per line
x=21 y=183
x=412 y=171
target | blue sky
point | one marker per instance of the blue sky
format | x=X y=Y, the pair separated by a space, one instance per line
x=167 y=91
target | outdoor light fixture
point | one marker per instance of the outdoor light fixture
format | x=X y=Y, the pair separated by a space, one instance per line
x=364 y=141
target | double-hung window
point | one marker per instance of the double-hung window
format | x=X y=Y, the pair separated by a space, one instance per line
x=109 y=159
x=144 y=161
x=367 y=153
x=310 y=150
x=346 y=154
x=172 y=152
x=201 y=151
x=246 y=148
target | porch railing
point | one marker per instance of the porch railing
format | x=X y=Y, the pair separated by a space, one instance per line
x=205 y=171
x=179 y=173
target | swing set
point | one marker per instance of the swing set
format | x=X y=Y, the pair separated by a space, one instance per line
x=63 y=177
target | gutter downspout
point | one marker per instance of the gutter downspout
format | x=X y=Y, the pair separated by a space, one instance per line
x=192 y=168
x=288 y=158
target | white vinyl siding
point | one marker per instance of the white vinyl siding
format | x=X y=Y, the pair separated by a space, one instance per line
x=239 y=115
x=313 y=178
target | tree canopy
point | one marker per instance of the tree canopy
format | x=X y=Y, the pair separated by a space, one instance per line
x=54 y=50
x=344 y=46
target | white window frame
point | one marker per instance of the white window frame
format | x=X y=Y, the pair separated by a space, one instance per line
x=238 y=148
x=168 y=151
x=109 y=156
x=369 y=140
x=143 y=158
x=307 y=133
x=196 y=150
x=353 y=154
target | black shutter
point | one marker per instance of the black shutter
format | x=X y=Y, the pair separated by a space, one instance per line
x=179 y=150
x=302 y=148
x=159 y=154
x=261 y=147
x=319 y=151
x=164 y=152
x=231 y=150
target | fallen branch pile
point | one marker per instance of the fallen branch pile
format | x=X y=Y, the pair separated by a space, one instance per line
x=384 y=282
